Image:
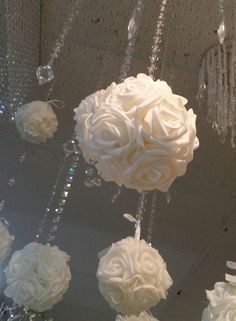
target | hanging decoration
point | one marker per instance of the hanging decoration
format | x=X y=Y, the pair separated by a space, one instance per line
x=217 y=79
x=157 y=40
x=133 y=27
x=138 y=132
x=6 y=239
x=37 y=276
x=132 y=275
x=222 y=299
x=45 y=73
x=144 y=316
x=221 y=31
x=36 y=121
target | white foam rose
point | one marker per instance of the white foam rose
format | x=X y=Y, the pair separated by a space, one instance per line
x=37 y=276
x=132 y=276
x=144 y=316
x=138 y=132
x=36 y=121
x=5 y=241
x=222 y=303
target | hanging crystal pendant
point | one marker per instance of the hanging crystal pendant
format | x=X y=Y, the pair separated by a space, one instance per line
x=44 y=74
x=221 y=32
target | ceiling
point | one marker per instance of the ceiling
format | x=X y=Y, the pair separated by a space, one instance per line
x=195 y=232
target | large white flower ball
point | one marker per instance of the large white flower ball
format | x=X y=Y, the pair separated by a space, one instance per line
x=132 y=276
x=138 y=132
x=144 y=316
x=36 y=122
x=222 y=303
x=37 y=276
x=5 y=241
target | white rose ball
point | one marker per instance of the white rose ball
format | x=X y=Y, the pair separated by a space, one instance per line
x=139 y=133
x=144 y=316
x=132 y=276
x=37 y=276
x=36 y=122
x=5 y=241
x=222 y=303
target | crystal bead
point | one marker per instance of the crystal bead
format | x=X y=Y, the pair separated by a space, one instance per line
x=168 y=197
x=2 y=205
x=72 y=170
x=69 y=146
x=64 y=194
x=44 y=74
x=67 y=186
x=62 y=202
x=54 y=228
x=89 y=182
x=22 y=158
x=221 y=32
x=70 y=179
x=59 y=210
x=51 y=237
x=56 y=219
x=11 y=181
x=132 y=28
x=90 y=171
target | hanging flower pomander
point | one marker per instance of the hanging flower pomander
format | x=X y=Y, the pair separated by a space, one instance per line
x=144 y=316
x=6 y=240
x=37 y=276
x=132 y=276
x=36 y=121
x=222 y=300
x=138 y=132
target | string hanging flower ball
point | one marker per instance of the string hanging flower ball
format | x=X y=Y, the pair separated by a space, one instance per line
x=36 y=121
x=222 y=299
x=37 y=276
x=132 y=275
x=138 y=133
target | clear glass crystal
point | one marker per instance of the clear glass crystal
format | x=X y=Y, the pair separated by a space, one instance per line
x=221 y=32
x=44 y=74
x=168 y=197
x=90 y=171
x=11 y=181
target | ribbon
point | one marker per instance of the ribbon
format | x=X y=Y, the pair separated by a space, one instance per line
x=228 y=277
x=137 y=222
x=56 y=103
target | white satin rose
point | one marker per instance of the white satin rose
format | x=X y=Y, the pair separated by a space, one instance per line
x=132 y=276
x=222 y=303
x=138 y=132
x=36 y=121
x=6 y=240
x=144 y=316
x=37 y=276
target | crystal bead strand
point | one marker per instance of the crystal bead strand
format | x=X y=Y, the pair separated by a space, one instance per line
x=157 y=40
x=152 y=217
x=133 y=27
x=221 y=32
x=50 y=201
x=201 y=83
x=12 y=181
x=68 y=181
x=225 y=105
x=141 y=206
x=45 y=73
